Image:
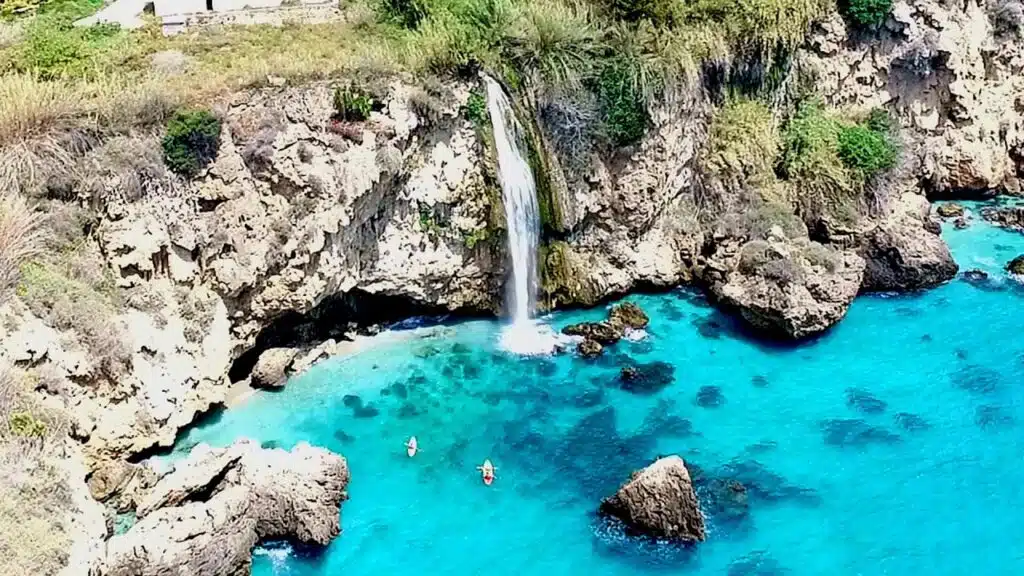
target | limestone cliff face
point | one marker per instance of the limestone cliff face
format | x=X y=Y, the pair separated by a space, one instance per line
x=300 y=212
x=952 y=70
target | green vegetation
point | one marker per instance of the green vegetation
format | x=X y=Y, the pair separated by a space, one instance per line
x=867 y=12
x=25 y=425
x=351 y=104
x=475 y=109
x=815 y=165
x=744 y=141
x=473 y=237
x=192 y=140
x=623 y=110
x=866 y=151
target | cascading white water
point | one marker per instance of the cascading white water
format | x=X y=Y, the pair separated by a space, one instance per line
x=519 y=193
x=522 y=216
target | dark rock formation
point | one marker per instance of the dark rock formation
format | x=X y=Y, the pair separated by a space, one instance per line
x=603 y=333
x=975 y=276
x=1016 y=266
x=646 y=378
x=1010 y=217
x=628 y=315
x=206 y=516
x=271 y=370
x=901 y=255
x=950 y=210
x=659 y=501
x=589 y=348
x=960 y=223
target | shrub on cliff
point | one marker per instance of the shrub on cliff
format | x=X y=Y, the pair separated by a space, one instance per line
x=743 y=141
x=867 y=12
x=20 y=238
x=624 y=112
x=866 y=151
x=351 y=104
x=192 y=140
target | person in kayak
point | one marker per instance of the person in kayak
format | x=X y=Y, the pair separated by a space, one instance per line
x=411 y=447
x=487 y=472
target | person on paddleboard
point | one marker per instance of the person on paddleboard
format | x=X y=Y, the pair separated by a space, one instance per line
x=411 y=447
x=487 y=472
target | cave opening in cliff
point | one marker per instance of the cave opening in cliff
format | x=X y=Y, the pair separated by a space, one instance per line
x=337 y=317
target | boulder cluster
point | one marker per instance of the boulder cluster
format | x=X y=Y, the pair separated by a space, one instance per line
x=206 y=516
x=622 y=318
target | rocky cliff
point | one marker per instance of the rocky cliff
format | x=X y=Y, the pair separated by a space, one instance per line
x=305 y=228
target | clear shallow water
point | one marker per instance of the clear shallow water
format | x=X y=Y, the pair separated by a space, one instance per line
x=838 y=483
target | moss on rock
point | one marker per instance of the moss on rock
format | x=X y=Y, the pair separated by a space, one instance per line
x=562 y=277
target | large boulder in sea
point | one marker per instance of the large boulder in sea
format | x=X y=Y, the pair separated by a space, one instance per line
x=1016 y=266
x=790 y=289
x=628 y=315
x=659 y=501
x=902 y=254
x=206 y=516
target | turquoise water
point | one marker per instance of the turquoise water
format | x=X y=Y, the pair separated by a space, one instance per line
x=893 y=445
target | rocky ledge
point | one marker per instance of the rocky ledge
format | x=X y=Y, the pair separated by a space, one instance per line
x=1009 y=217
x=207 y=515
x=659 y=501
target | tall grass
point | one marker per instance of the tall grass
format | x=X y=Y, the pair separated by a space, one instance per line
x=21 y=238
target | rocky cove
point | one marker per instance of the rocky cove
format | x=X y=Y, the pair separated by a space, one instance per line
x=306 y=228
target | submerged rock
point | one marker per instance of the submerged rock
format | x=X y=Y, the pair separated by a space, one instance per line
x=1016 y=266
x=950 y=210
x=911 y=422
x=628 y=315
x=646 y=378
x=603 y=333
x=206 y=516
x=659 y=501
x=710 y=397
x=864 y=402
x=271 y=370
x=854 y=433
x=960 y=224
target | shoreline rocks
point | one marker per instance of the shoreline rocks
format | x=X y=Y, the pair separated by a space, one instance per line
x=206 y=515
x=659 y=501
x=273 y=368
x=789 y=290
x=1009 y=217
x=950 y=210
x=1016 y=266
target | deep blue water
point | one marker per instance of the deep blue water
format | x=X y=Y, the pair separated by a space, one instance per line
x=893 y=445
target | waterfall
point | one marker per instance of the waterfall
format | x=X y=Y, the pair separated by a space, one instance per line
x=522 y=216
x=519 y=193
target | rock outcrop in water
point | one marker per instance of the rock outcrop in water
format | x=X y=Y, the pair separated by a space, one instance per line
x=207 y=515
x=902 y=254
x=790 y=290
x=1009 y=217
x=659 y=501
x=1016 y=266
